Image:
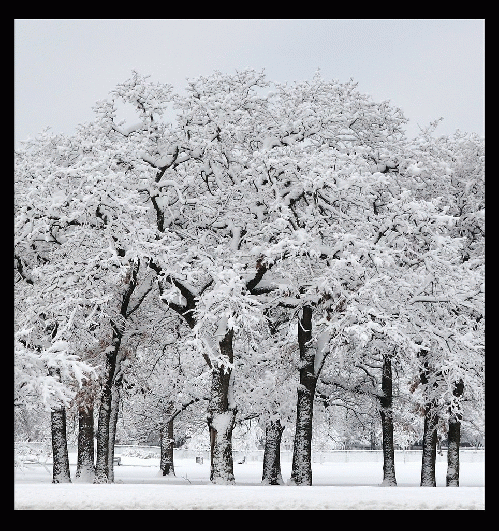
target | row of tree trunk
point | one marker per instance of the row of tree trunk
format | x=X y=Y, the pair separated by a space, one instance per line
x=221 y=460
x=221 y=420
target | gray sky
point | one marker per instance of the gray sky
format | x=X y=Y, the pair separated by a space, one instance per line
x=428 y=68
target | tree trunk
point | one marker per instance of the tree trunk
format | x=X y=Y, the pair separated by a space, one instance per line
x=301 y=468
x=166 y=437
x=430 y=427
x=454 y=439
x=60 y=470
x=107 y=415
x=113 y=417
x=113 y=420
x=85 y=470
x=429 y=448
x=271 y=474
x=60 y=459
x=221 y=417
x=102 y=458
x=386 y=413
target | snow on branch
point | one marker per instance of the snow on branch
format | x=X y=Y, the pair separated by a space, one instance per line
x=422 y=298
x=45 y=375
x=322 y=350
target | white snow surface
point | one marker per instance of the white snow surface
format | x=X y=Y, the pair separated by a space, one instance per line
x=353 y=485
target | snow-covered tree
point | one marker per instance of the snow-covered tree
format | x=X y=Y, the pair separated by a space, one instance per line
x=67 y=233
x=46 y=372
x=305 y=199
x=163 y=378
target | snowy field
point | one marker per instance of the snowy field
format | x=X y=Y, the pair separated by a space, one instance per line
x=353 y=485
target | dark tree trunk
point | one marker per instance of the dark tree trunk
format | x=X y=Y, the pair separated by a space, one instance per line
x=221 y=417
x=429 y=448
x=102 y=458
x=60 y=459
x=271 y=474
x=386 y=413
x=430 y=425
x=454 y=439
x=108 y=413
x=166 y=438
x=85 y=470
x=166 y=463
x=60 y=470
x=301 y=468
x=113 y=421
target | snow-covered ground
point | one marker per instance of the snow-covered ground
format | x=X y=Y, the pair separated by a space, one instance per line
x=352 y=485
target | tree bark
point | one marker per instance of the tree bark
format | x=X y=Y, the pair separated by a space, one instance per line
x=166 y=463
x=60 y=469
x=301 y=468
x=271 y=474
x=102 y=458
x=60 y=459
x=454 y=439
x=113 y=421
x=85 y=470
x=430 y=427
x=221 y=417
x=429 y=448
x=386 y=413
x=166 y=438
x=108 y=413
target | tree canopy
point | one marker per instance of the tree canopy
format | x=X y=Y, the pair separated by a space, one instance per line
x=232 y=207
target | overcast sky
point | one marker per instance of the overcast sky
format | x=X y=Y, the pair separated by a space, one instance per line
x=428 y=68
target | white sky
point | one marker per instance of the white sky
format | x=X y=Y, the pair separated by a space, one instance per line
x=429 y=68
